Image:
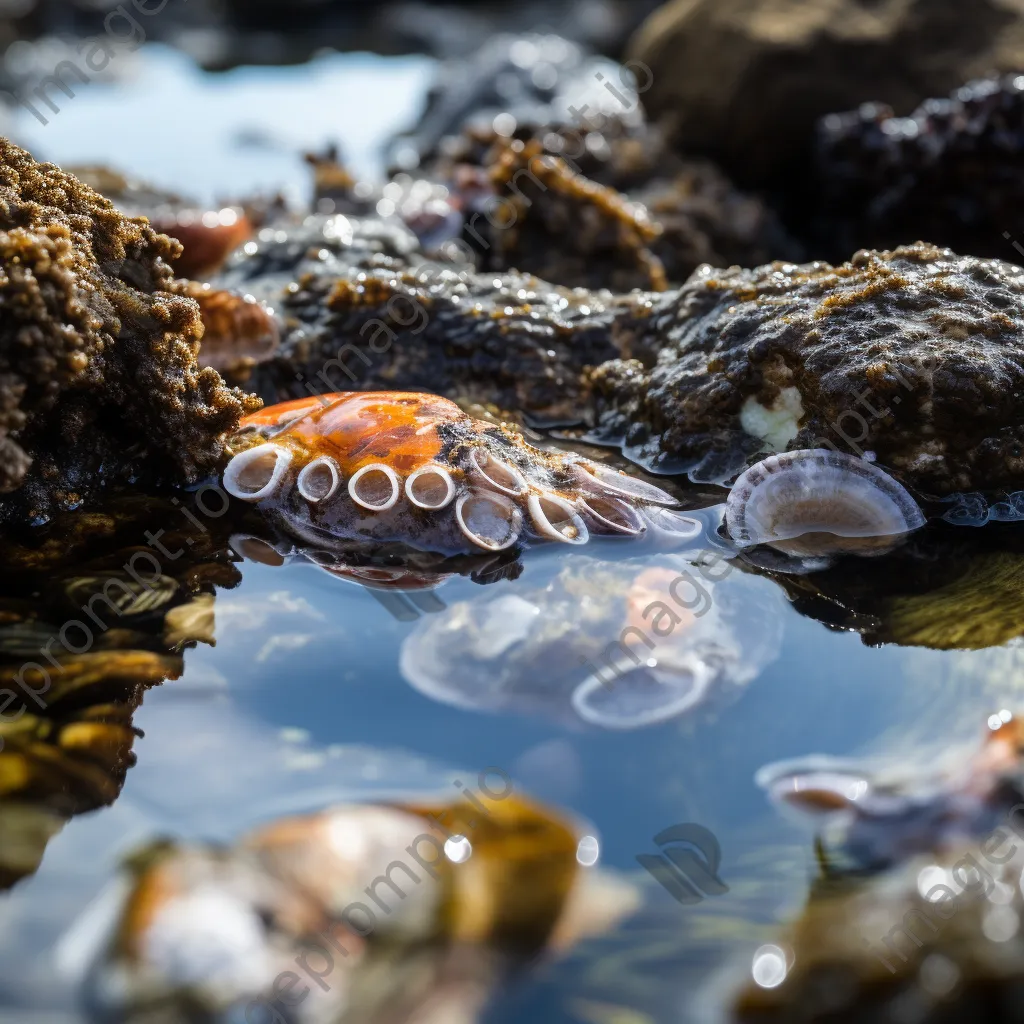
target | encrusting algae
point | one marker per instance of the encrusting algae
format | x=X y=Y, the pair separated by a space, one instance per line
x=99 y=383
x=912 y=354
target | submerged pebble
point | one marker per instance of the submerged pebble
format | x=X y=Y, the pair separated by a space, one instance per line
x=404 y=911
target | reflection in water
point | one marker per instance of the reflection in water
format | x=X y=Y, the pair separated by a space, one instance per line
x=663 y=634
x=90 y=618
x=947 y=588
x=617 y=645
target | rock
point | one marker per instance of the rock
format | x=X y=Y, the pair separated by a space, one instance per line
x=538 y=210
x=744 y=81
x=516 y=83
x=99 y=383
x=361 y=308
x=549 y=155
x=912 y=354
x=89 y=621
x=950 y=172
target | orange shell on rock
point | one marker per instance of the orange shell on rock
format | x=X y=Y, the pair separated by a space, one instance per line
x=361 y=428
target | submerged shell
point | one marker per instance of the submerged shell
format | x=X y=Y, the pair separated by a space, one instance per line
x=376 y=903
x=616 y=645
x=876 y=816
x=816 y=502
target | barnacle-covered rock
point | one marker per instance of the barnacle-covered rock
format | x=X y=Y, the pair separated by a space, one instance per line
x=912 y=354
x=949 y=172
x=415 y=469
x=99 y=383
x=745 y=80
x=360 y=307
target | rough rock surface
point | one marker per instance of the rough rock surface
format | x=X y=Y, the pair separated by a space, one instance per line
x=539 y=211
x=98 y=376
x=914 y=354
x=361 y=308
x=744 y=81
x=951 y=172
x=556 y=170
x=515 y=84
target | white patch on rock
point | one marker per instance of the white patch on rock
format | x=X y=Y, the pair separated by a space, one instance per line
x=776 y=425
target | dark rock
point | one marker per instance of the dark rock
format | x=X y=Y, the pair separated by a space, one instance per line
x=361 y=308
x=952 y=172
x=537 y=209
x=515 y=84
x=912 y=354
x=744 y=81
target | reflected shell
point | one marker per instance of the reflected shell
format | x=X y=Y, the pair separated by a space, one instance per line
x=819 y=502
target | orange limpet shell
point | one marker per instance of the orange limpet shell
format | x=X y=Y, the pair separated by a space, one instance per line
x=357 y=429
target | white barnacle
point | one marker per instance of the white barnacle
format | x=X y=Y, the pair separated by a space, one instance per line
x=816 y=501
x=554 y=518
x=430 y=487
x=319 y=480
x=490 y=521
x=594 y=478
x=611 y=515
x=496 y=474
x=375 y=487
x=257 y=473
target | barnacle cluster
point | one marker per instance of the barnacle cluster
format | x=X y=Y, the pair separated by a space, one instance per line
x=99 y=383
